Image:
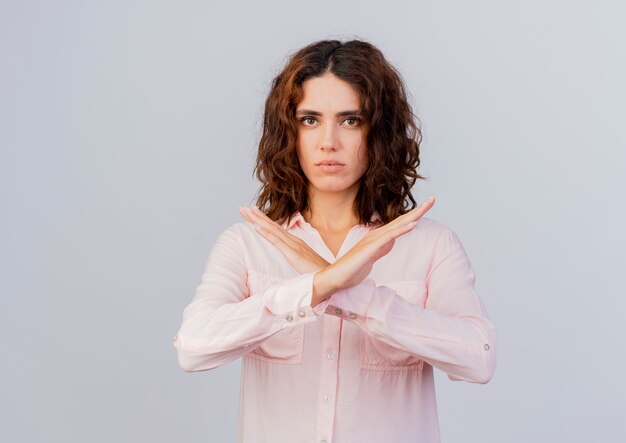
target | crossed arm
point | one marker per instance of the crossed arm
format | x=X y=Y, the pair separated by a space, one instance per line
x=452 y=332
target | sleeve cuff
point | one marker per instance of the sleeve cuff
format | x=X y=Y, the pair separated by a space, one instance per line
x=360 y=302
x=352 y=303
x=290 y=301
x=320 y=308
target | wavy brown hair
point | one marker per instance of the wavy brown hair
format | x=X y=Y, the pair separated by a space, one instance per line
x=393 y=133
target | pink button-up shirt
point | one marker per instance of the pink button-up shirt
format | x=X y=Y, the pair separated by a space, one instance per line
x=357 y=367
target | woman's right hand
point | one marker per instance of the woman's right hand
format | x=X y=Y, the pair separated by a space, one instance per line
x=356 y=264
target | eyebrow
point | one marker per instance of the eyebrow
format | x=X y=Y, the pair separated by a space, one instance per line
x=339 y=114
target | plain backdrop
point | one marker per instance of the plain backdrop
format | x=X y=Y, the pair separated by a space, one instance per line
x=127 y=137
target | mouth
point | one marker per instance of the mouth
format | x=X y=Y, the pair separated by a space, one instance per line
x=329 y=163
x=330 y=167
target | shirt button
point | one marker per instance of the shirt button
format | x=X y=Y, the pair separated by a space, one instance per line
x=289 y=317
x=338 y=311
x=323 y=441
x=301 y=313
x=486 y=346
x=330 y=355
x=326 y=397
x=352 y=315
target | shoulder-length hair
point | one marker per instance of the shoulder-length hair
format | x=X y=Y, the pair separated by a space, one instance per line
x=392 y=131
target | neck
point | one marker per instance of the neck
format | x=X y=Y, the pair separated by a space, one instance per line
x=331 y=211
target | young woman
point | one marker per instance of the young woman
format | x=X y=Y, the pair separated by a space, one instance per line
x=339 y=297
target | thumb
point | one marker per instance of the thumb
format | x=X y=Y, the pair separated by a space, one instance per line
x=384 y=249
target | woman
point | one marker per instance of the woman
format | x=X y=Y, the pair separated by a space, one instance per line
x=339 y=298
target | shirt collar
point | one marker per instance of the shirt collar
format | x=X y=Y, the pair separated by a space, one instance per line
x=298 y=218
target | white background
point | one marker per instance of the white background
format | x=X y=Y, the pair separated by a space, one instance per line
x=127 y=137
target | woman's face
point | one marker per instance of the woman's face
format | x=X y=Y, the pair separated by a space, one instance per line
x=330 y=130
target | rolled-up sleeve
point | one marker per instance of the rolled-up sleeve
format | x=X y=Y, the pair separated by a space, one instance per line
x=223 y=321
x=451 y=331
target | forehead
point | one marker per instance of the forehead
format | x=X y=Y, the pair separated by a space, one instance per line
x=328 y=92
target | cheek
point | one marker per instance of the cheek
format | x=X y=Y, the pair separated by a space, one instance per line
x=303 y=159
x=303 y=146
x=301 y=153
x=362 y=158
x=306 y=141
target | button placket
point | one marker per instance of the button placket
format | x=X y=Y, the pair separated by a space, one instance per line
x=331 y=337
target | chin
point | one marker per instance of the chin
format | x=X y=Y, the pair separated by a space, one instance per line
x=337 y=186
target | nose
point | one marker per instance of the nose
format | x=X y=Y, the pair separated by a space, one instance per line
x=328 y=137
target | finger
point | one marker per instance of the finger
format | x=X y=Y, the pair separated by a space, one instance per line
x=260 y=225
x=272 y=238
x=291 y=248
x=245 y=214
x=254 y=218
x=413 y=215
x=263 y=215
x=272 y=226
x=383 y=244
x=270 y=230
x=394 y=233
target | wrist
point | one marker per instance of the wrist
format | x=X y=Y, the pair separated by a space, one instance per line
x=322 y=287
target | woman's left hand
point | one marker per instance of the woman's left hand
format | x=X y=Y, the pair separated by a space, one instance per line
x=299 y=255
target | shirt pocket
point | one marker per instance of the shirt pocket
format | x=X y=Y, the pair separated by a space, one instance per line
x=286 y=345
x=378 y=355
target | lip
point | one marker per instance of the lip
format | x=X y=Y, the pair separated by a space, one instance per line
x=329 y=163
x=329 y=168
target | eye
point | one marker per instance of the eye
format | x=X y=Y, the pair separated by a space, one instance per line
x=306 y=119
x=355 y=121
